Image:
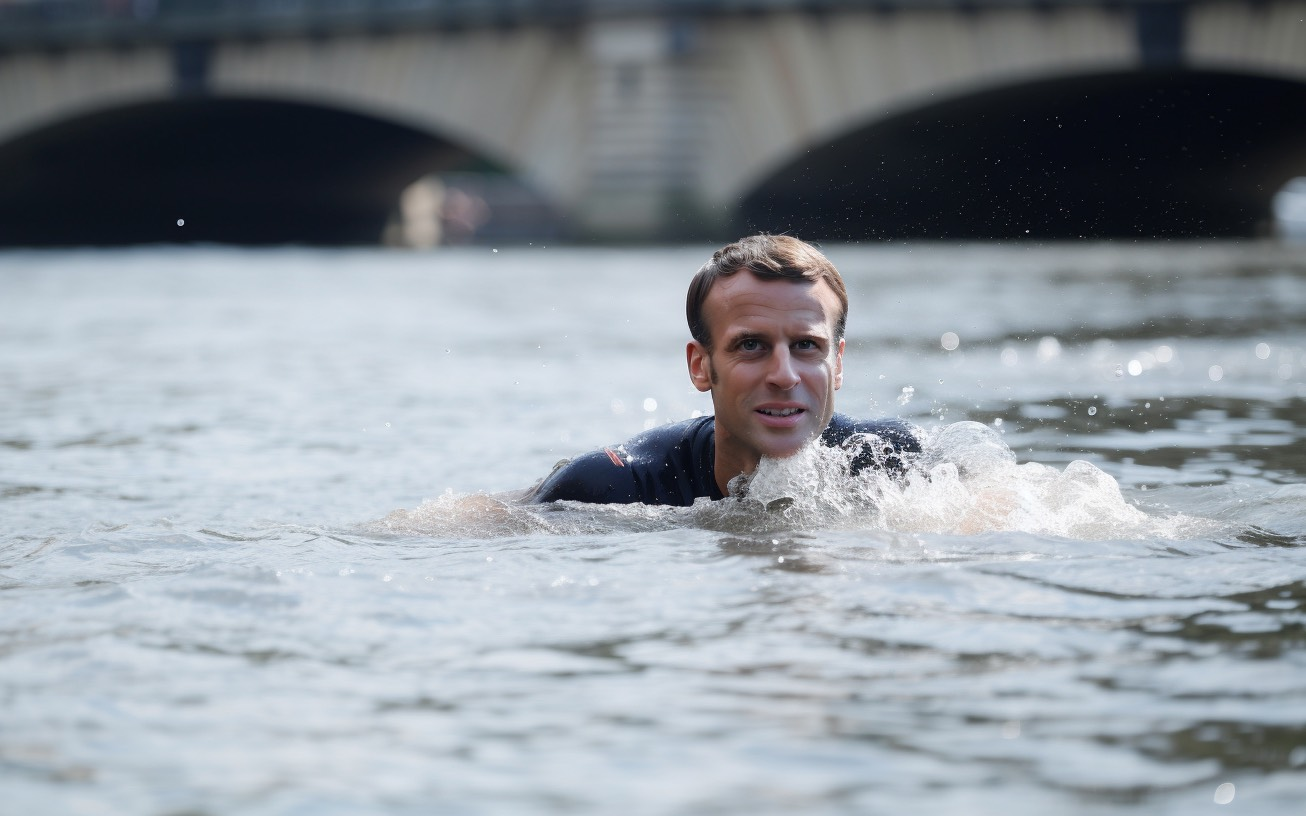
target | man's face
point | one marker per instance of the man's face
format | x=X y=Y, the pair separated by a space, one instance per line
x=774 y=367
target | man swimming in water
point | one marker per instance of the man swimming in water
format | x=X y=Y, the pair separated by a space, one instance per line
x=767 y=315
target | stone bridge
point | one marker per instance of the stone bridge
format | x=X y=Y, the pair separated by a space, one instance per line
x=305 y=120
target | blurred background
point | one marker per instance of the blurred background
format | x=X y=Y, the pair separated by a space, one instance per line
x=427 y=122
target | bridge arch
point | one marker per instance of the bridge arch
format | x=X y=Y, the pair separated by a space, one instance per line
x=247 y=170
x=515 y=94
x=1128 y=153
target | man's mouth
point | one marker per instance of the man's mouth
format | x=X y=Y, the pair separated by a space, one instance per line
x=779 y=412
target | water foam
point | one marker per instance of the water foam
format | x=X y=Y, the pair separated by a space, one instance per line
x=454 y=515
x=965 y=481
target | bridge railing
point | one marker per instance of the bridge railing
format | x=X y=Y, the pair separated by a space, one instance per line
x=54 y=23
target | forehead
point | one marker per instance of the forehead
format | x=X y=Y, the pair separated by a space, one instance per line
x=743 y=301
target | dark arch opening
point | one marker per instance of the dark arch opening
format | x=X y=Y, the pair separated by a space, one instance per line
x=237 y=171
x=1142 y=154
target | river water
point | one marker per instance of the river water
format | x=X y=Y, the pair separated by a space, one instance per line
x=259 y=554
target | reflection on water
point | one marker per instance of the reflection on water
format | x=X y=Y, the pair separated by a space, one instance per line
x=262 y=553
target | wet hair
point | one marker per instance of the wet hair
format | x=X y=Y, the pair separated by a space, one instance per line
x=768 y=257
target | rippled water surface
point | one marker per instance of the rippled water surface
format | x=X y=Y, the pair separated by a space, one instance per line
x=259 y=552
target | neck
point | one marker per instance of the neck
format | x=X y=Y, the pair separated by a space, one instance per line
x=726 y=466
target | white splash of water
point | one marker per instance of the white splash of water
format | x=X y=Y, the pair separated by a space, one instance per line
x=965 y=481
x=453 y=515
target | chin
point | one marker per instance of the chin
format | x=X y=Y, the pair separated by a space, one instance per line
x=785 y=451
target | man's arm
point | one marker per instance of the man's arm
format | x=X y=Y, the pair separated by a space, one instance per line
x=598 y=477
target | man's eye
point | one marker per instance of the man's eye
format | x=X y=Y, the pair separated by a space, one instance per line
x=749 y=345
x=805 y=345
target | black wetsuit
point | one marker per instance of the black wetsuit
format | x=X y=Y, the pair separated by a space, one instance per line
x=675 y=464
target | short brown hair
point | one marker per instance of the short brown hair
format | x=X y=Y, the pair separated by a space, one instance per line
x=769 y=257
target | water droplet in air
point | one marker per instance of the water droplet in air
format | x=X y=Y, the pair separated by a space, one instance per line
x=950 y=341
x=1092 y=410
x=650 y=404
x=181 y=222
x=907 y=393
x=1263 y=350
x=1224 y=794
x=494 y=250
x=1216 y=373
x=1135 y=368
x=1120 y=371
x=1049 y=348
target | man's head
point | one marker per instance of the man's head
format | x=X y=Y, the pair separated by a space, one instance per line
x=767 y=314
x=767 y=257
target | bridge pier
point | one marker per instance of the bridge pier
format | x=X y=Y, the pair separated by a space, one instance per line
x=652 y=95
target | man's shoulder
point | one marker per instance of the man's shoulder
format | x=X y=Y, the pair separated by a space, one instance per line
x=883 y=444
x=670 y=439
x=662 y=465
x=895 y=431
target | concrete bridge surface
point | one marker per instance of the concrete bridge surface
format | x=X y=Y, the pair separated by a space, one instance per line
x=264 y=121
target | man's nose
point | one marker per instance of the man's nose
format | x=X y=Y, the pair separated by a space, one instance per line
x=782 y=373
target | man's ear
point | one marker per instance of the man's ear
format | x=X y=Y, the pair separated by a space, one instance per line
x=838 y=367
x=700 y=366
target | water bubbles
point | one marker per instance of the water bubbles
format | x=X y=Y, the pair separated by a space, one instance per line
x=1092 y=410
x=650 y=404
x=1224 y=794
x=1164 y=354
x=1009 y=357
x=1119 y=372
x=1135 y=368
x=494 y=251
x=906 y=396
x=1263 y=351
x=950 y=341
x=181 y=222
x=997 y=422
x=1215 y=372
